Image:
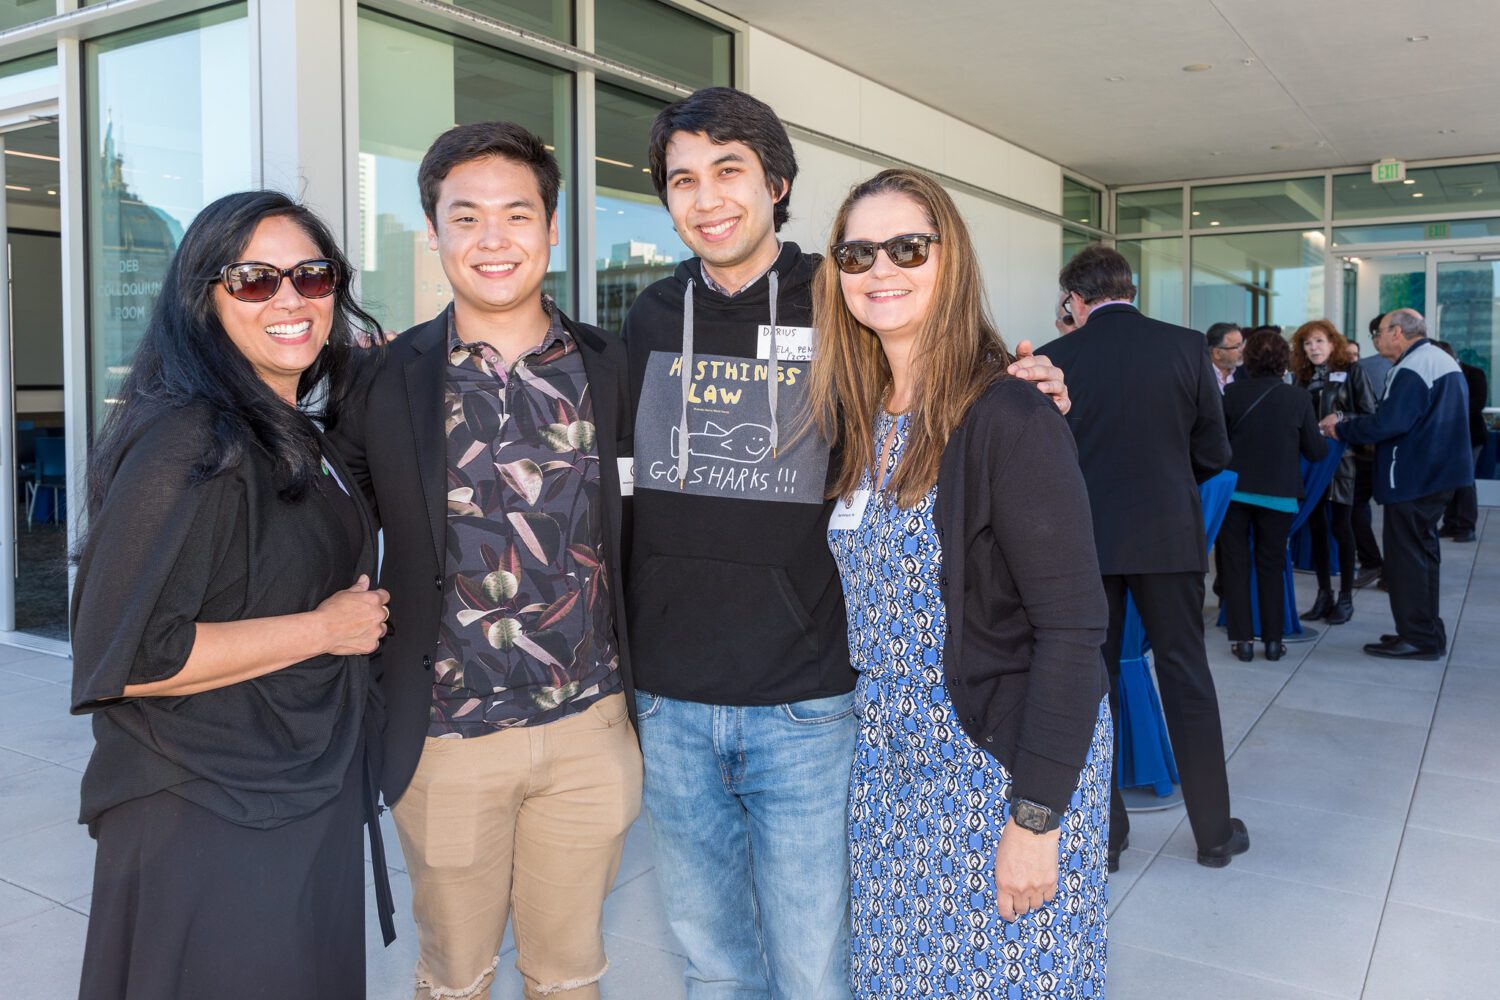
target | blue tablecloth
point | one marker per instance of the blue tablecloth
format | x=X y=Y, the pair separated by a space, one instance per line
x=1145 y=757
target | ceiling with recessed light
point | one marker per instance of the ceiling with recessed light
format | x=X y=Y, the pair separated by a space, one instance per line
x=1115 y=89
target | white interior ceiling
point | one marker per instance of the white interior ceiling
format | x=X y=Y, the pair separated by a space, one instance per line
x=1294 y=84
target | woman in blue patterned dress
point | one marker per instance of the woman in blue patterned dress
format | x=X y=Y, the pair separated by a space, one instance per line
x=979 y=798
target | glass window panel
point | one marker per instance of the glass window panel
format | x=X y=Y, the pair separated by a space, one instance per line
x=553 y=18
x=31 y=73
x=1468 y=302
x=1258 y=278
x=1472 y=187
x=169 y=130
x=1157 y=269
x=14 y=13
x=1081 y=203
x=636 y=242
x=415 y=83
x=1411 y=232
x=664 y=41
x=1258 y=203
x=1072 y=242
x=1148 y=211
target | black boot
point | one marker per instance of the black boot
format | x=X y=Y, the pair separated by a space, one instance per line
x=1320 y=608
x=1244 y=650
x=1275 y=650
x=1343 y=609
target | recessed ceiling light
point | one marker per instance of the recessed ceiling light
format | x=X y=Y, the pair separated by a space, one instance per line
x=1416 y=194
x=1083 y=220
x=1408 y=181
x=1114 y=79
x=51 y=192
x=1247 y=62
x=1417 y=38
x=1197 y=67
x=1283 y=145
x=1446 y=131
x=1216 y=153
x=1214 y=222
x=1197 y=213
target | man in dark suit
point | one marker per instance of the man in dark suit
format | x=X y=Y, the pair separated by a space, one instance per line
x=488 y=442
x=1149 y=423
x=1462 y=515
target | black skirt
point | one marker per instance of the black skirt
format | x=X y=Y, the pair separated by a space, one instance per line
x=188 y=905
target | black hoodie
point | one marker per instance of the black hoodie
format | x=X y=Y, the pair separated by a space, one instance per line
x=733 y=597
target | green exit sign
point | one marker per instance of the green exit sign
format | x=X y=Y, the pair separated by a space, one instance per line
x=1437 y=230
x=1388 y=171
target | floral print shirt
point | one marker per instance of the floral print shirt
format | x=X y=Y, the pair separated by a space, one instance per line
x=527 y=632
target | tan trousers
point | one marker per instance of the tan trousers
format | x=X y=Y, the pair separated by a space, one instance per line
x=525 y=824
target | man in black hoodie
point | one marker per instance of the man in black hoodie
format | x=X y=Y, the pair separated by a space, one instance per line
x=738 y=630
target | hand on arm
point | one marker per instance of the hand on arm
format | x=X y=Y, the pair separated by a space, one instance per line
x=349 y=622
x=1036 y=369
x=1329 y=426
x=1025 y=870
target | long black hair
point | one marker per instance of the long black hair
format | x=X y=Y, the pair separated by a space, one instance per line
x=186 y=356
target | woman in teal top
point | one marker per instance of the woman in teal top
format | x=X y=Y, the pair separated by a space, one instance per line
x=1270 y=423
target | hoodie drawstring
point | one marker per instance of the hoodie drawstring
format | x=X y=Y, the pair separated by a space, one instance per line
x=772 y=370
x=687 y=385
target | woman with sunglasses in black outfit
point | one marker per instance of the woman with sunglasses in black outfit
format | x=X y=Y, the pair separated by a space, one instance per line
x=979 y=797
x=222 y=620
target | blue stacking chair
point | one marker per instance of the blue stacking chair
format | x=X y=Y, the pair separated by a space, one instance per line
x=51 y=474
x=1315 y=479
x=1145 y=751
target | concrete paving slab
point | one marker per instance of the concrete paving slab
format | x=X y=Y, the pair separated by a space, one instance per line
x=1425 y=954
x=1142 y=974
x=1446 y=871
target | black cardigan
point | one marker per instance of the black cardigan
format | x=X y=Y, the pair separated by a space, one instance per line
x=1266 y=436
x=1021 y=584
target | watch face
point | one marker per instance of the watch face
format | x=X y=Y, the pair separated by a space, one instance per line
x=1031 y=816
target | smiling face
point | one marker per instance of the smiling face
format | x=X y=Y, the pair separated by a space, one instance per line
x=493 y=237
x=893 y=301
x=1317 y=347
x=722 y=206
x=282 y=336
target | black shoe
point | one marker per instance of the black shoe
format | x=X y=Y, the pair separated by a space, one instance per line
x=1244 y=650
x=1402 y=650
x=1343 y=609
x=1448 y=531
x=1320 y=608
x=1366 y=576
x=1275 y=650
x=1386 y=638
x=1113 y=860
x=1238 y=843
x=1463 y=536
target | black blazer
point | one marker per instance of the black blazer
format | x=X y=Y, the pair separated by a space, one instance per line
x=390 y=436
x=1026 y=609
x=1267 y=435
x=1149 y=423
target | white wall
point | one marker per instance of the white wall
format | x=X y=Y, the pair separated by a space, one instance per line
x=1020 y=254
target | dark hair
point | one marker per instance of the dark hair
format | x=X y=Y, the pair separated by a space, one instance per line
x=1266 y=328
x=1216 y=333
x=728 y=115
x=465 y=143
x=1446 y=348
x=1375 y=324
x=1097 y=273
x=1266 y=353
x=186 y=357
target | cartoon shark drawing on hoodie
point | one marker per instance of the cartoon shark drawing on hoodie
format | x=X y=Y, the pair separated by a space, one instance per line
x=747 y=443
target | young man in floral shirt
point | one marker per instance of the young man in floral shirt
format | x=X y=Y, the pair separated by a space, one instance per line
x=488 y=441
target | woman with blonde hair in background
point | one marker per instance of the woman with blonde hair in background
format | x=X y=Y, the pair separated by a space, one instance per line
x=1321 y=364
x=979 y=797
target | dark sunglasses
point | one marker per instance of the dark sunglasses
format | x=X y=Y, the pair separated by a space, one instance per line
x=858 y=256
x=254 y=281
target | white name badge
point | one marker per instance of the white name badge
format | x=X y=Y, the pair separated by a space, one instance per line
x=848 y=511
x=627 y=476
x=1338 y=376
x=793 y=343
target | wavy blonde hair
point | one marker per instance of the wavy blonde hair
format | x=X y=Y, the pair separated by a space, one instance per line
x=957 y=354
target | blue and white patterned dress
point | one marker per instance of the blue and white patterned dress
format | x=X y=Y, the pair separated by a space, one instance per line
x=926 y=805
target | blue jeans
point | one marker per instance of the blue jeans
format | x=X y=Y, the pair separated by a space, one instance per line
x=748 y=815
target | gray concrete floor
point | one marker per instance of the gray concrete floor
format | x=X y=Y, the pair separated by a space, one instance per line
x=1371 y=789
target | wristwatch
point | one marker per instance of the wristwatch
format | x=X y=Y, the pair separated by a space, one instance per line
x=1034 y=816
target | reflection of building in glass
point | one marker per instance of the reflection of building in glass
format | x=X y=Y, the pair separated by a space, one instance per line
x=136 y=243
x=369 y=258
x=629 y=269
